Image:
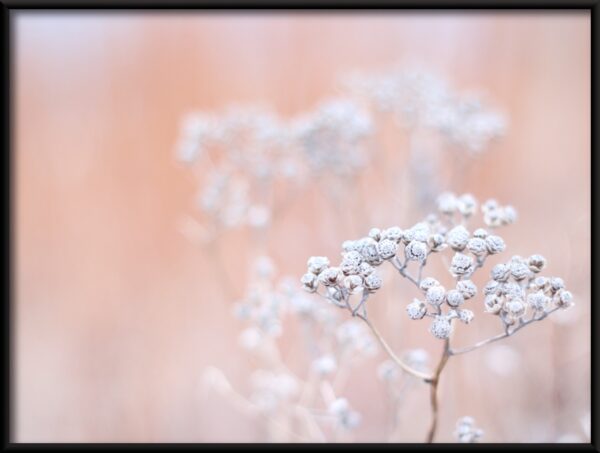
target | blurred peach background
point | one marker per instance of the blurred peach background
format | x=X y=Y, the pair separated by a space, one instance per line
x=116 y=311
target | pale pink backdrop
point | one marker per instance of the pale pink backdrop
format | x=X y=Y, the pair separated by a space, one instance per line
x=117 y=313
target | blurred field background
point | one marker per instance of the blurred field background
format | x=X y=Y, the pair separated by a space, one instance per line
x=117 y=313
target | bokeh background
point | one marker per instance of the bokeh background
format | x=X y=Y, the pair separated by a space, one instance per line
x=117 y=313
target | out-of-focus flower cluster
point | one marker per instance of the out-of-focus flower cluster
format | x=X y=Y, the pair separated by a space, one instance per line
x=422 y=99
x=246 y=151
x=466 y=431
x=513 y=287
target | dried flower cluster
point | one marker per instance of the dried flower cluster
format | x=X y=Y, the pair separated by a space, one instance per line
x=466 y=432
x=516 y=287
x=423 y=99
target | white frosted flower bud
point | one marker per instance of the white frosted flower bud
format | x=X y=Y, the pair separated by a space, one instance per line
x=538 y=300
x=540 y=283
x=447 y=203
x=387 y=249
x=370 y=254
x=467 y=288
x=436 y=242
x=493 y=218
x=416 y=309
x=467 y=204
x=348 y=246
x=500 y=272
x=375 y=234
x=480 y=233
x=330 y=276
x=512 y=290
x=419 y=232
x=536 y=263
x=351 y=262
x=427 y=283
x=317 y=264
x=416 y=251
x=373 y=281
x=518 y=269
x=324 y=365
x=556 y=283
x=441 y=327
x=435 y=295
x=490 y=205
x=565 y=298
x=309 y=282
x=477 y=246
x=493 y=304
x=495 y=244
x=515 y=308
x=393 y=234
x=465 y=316
x=461 y=264
x=354 y=283
x=491 y=287
x=509 y=215
x=365 y=269
x=454 y=298
x=458 y=237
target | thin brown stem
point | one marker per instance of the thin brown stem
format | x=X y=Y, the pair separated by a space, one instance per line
x=433 y=391
x=425 y=377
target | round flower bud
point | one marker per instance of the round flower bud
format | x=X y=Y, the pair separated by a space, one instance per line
x=427 y=283
x=447 y=203
x=309 y=282
x=491 y=287
x=518 y=269
x=467 y=288
x=370 y=254
x=365 y=269
x=480 y=233
x=387 y=249
x=416 y=309
x=493 y=304
x=461 y=265
x=511 y=290
x=465 y=316
x=350 y=262
x=416 y=251
x=556 y=283
x=454 y=298
x=538 y=300
x=536 y=263
x=330 y=276
x=477 y=246
x=375 y=234
x=419 y=232
x=509 y=215
x=392 y=233
x=495 y=244
x=467 y=205
x=489 y=205
x=441 y=327
x=515 y=308
x=493 y=218
x=317 y=264
x=458 y=237
x=540 y=283
x=349 y=246
x=565 y=298
x=354 y=283
x=500 y=272
x=435 y=295
x=436 y=242
x=373 y=281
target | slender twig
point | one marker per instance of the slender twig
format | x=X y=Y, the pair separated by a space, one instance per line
x=433 y=391
x=425 y=377
x=507 y=333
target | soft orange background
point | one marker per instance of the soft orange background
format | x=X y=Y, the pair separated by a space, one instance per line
x=117 y=313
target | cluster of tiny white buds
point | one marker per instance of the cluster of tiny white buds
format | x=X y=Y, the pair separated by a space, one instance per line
x=345 y=417
x=495 y=215
x=466 y=431
x=516 y=286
